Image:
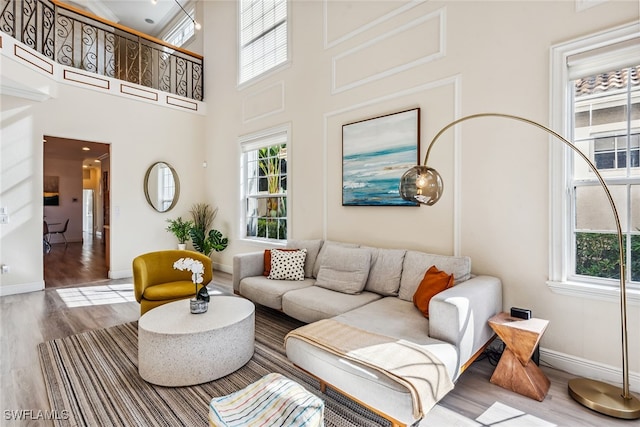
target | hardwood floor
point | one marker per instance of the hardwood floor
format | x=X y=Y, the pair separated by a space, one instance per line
x=75 y=263
x=29 y=319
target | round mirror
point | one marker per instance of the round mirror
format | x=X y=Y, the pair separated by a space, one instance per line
x=161 y=186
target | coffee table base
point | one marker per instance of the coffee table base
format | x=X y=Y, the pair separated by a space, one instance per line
x=180 y=359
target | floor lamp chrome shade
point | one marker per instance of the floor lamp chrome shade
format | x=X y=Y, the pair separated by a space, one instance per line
x=424 y=185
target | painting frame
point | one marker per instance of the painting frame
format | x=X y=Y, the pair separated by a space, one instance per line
x=51 y=190
x=375 y=154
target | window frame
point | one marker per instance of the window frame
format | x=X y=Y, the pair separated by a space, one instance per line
x=268 y=71
x=562 y=245
x=180 y=24
x=252 y=142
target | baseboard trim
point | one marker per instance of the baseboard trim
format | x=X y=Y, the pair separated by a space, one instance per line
x=223 y=267
x=587 y=368
x=22 y=288
x=120 y=274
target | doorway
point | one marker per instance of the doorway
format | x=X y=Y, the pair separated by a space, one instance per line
x=87 y=214
x=78 y=167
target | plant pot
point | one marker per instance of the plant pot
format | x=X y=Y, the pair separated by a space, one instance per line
x=182 y=246
x=198 y=306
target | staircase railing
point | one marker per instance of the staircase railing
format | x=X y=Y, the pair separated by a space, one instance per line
x=81 y=40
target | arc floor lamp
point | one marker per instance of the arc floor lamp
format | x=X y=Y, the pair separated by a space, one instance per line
x=424 y=185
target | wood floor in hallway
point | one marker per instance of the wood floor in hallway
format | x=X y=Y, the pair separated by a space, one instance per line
x=77 y=262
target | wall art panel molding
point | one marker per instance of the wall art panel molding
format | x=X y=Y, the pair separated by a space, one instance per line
x=416 y=35
x=32 y=59
x=263 y=103
x=85 y=79
x=328 y=44
x=455 y=82
x=135 y=91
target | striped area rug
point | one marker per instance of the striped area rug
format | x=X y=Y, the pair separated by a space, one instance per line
x=93 y=378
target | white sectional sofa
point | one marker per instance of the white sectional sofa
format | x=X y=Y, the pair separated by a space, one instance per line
x=456 y=331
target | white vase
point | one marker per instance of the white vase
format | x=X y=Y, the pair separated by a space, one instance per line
x=182 y=246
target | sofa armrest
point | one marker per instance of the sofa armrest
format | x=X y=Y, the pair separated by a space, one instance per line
x=459 y=315
x=246 y=265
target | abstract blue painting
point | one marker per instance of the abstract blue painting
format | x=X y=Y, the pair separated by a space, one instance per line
x=375 y=154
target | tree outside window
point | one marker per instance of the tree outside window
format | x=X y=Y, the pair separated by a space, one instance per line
x=265 y=181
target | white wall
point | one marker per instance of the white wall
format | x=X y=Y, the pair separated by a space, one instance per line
x=355 y=60
x=69 y=173
x=139 y=134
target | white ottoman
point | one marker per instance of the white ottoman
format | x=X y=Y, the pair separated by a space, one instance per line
x=177 y=348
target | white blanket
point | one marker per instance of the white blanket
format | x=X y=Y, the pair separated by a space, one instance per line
x=411 y=365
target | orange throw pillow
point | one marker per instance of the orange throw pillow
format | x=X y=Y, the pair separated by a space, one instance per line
x=434 y=282
x=267 y=260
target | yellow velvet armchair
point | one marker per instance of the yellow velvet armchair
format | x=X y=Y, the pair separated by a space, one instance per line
x=156 y=282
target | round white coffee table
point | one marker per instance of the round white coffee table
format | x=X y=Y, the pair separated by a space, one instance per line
x=177 y=348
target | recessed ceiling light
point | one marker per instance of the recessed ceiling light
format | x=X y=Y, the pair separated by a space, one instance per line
x=149 y=21
x=97 y=161
x=86 y=149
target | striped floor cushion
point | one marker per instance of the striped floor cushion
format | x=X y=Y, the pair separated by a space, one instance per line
x=274 y=400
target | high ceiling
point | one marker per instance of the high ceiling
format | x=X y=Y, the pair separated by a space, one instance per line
x=130 y=13
x=72 y=149
x=140 y=15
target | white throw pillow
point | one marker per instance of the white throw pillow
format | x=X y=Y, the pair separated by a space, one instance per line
x=344 y=269
x=287 y=265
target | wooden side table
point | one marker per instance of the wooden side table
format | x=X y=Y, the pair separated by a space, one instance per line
x=515 y=371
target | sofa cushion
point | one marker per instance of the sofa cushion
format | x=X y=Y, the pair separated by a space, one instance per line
x=385 y=272
x=267 y=260
x=287 y=265
x=416 y=264
x=312 y=247
x=269 y=292
x=315 y=303
x=433 y=282
x=344 y=269
x=325 y=245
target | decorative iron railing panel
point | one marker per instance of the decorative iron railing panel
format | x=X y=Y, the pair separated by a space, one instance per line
x=65 y=35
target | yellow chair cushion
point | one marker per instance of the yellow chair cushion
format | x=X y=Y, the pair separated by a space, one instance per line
x=170 y=290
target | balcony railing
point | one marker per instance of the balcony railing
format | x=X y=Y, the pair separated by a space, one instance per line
x=81 y=40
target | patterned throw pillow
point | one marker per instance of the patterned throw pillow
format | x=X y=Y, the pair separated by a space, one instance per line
x=287 y=265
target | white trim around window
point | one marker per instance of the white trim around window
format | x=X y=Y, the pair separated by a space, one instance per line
x=249 y=143
x=560 y=250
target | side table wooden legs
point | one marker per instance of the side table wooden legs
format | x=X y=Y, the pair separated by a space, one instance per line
x=516 y=371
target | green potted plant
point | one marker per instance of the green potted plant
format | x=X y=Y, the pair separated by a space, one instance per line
x=181 y=229
x=204 y=238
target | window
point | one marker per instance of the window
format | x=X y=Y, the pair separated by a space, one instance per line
x=596 y=103
x=264 y=177
x=184 y=29
x=606 y=103
x=263 y=37
x=612 y=152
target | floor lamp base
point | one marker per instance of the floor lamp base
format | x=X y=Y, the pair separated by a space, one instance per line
x=604 y=398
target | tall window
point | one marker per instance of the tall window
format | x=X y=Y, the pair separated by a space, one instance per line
x=184 y=29
x=263 y=36
x=598 y=108
x=606 y=110
x=264 y=166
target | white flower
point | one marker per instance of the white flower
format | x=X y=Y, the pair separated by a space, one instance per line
x=195 y=267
